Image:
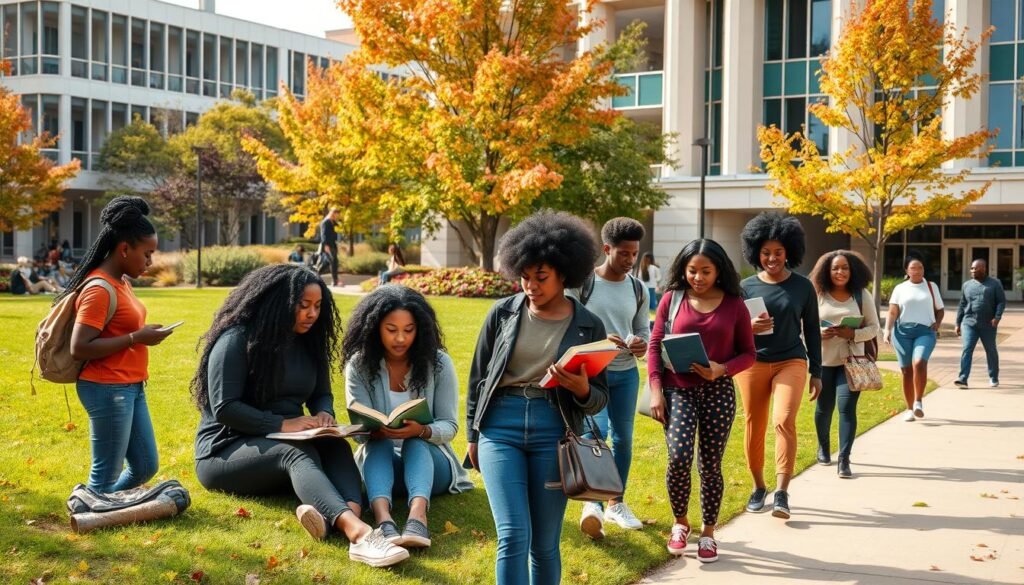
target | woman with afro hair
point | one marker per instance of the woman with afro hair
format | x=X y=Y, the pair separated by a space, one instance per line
x=788 y=342
x=513 y=424
x=267 y=361
x=393 y=353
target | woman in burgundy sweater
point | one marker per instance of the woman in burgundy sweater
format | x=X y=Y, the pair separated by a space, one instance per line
x=708 y=300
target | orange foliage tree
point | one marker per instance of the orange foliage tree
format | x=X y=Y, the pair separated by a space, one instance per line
x=31 y=185
x=491 y=92
x=888 y=78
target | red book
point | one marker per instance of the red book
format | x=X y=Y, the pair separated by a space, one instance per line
x=596 y=356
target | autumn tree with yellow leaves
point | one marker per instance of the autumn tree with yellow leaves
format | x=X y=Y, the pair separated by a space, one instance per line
x=491 y=92
x=888 y=78
x=31 y=185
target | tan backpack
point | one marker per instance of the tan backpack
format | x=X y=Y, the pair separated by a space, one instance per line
x=53 y=336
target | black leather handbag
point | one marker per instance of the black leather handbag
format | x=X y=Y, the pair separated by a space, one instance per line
x=586 y=466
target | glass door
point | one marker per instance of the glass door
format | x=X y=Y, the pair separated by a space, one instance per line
x=953 y=271
x=1002 y=268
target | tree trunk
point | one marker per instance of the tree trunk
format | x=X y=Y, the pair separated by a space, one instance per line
x=488 y=240
x=351 y=241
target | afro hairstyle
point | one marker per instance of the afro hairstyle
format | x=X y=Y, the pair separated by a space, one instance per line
x=860 y=274
x=768 y=226
x=621 y=229
x=558 y=239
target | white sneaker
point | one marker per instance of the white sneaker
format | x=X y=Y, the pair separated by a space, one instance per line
x=909 y=416
x=623 y=516
x=312 y=520
x=376 y=551
x=590 y=520
x=993 y=384
x=918 y=409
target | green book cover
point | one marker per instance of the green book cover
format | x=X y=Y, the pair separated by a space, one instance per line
x=417 y=410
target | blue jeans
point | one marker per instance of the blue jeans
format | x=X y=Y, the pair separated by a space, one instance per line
x=834 y=388
x=620 y=412
x=121 y=432
x=421 y=467
x=971 y=335
x=518 y=454
x=652 y=294
x=913 y=342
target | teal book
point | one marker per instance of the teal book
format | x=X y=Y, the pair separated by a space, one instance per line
x=371 y=420
x=682 y=350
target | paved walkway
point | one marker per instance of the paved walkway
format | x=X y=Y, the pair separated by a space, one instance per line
x=965 y=461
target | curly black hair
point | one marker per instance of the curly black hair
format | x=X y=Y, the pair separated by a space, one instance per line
x=728 y=279
x=558 y=239
x=123 y=220
x=767 y=226
x=622 y=229
x=363 y=346
x=264 y=305
x=821 y=275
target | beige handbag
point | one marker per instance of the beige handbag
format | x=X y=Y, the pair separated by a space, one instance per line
x=862 y=373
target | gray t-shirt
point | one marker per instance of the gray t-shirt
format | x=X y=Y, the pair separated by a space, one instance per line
x=616 y=305
x=536 y=348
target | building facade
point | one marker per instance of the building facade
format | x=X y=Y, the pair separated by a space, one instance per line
x=84 y=68
x=721 y=68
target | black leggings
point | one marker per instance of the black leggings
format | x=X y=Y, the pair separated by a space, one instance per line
x=321 y=473
x=834 y=388
x=707 y=410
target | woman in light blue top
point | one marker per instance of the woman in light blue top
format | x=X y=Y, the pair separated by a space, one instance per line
x=393 y=353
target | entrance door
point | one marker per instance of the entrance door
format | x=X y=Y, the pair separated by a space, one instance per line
x=1002 y=260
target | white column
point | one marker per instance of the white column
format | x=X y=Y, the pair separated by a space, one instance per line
x=839 y=139
x=23 y=243
x=64 y=37
x=684 y=81
x=743 y=84
x=64 y=129
x=962 y=117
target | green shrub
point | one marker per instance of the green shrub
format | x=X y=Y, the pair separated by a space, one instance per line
x=366 y=263
x=889 y=283
x=1018 y=278
x=223 y=265
x=5 y=277
x=462 y=282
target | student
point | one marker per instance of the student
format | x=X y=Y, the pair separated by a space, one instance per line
x=514 y=425
x=25 y=280
x=268 y=353
x=298 y=255
x=650 y=274
x=393 y=353
x=329 y=241
x=396 y=262
x=841 y=278
x=788 y=343
x=911 y=328
x=699 y=405
x=112 y=385
x=982 y=302
x=621 y=302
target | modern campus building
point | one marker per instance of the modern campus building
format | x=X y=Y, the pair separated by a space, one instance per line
x=84 y=68
x=721 y=68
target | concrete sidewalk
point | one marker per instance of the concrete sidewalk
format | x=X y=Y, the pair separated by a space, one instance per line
x=964 y=461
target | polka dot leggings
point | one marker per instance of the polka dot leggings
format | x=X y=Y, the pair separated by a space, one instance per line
x=707 y=410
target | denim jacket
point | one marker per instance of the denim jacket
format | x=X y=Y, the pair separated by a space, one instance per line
x=494 y=348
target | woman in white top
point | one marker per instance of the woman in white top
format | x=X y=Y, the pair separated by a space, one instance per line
x=840 y=278
x=911 y=328
x=396 y=261
x=650 y=274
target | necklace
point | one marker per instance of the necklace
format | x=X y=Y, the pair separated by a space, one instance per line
x=393 y=377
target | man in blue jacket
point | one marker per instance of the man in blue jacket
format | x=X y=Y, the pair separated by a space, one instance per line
x=982 y=303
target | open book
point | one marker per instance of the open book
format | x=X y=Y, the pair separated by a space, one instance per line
x=337 y=432
x=370 y=419
x=853 y=322
x=679 y=351
x=596 y=356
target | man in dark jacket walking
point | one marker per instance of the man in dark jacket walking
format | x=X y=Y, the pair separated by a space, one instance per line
x=982 y=303
x=329 y=242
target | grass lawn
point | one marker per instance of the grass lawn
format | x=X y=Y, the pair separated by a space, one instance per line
x=42 y=460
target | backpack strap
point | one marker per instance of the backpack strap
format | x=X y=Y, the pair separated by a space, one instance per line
x=587 y=289
x=673 y=309
x=100 y=282
x=858 y=296
x=638 y=291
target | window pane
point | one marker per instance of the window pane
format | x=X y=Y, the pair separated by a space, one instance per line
x=818 y=132
x=226 y=68
x=79 y=34
x=1003 y=17
x=78 y=123
x=719 y=25
x=50 y=27
x=192 y=54
x=813 y=84
x=939 y=10
x=796 y=109
x=119 y=40
x=773 y=30
x=138 y=43
x=716 y=134
x=29 y=28
x=796 y=77
x=98 y=126
x=926 y=234
x=256 y=59
x=156 y=46
x=241 y=63
x=50 y=122
x=821 y=27
x=773 y=112
x=118 y=116
x=209 y=57
x=1000 y=159
x=174 y=51
x=298 y=71
x=796 y=29
x=99 y=36
x=272 y=78
x=10 y=31
x=1001 y=62
x=772 y=79
x=1000 y=113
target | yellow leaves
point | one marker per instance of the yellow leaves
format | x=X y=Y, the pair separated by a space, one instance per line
x=450 y=528
x=83 y=567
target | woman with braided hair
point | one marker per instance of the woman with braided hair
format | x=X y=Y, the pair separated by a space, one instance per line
x=111 y=386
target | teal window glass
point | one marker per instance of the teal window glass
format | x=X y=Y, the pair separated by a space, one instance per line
x=1000 y=113
x=716 y=85
x=628 y=100
x=821 y=27
x=772 y=79
x=1018 y=159
x=818 y=132
x=1001 y=62
x=773 y=112
x=773 y=19
x=1000 y=159
x=1003 y=17
x=812 y=79
x=649 y=93
x=796 y=77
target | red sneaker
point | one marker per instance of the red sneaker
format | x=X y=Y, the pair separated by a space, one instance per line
x=677 y=542
x=707 y=549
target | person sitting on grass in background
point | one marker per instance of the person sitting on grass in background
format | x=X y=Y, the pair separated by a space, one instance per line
x=25 y=280
x=393 y=353
x=396 y=262
x=298 y=255
x=268 y=352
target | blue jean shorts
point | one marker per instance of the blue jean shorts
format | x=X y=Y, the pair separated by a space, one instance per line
x=913 y=342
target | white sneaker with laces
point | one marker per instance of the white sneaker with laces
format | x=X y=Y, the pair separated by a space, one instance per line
x=918 y=409
x=590 y=520
x=375 y=550
x=993 y=383
x=621 y=514
x=909 y=416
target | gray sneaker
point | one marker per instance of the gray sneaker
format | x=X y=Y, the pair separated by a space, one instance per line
x=415 y=534
x=390 y=531
x=375 y=550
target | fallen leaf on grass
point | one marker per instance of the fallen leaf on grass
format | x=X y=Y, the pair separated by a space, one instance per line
x=171 y=576
x=279 y=524
x=920 y=505
x=197 y=576
x=29 y=522
x=272 y=562
x=650 y=522
x=200 y=549
x=242 y=513
x=479 y=535
x=934 y=568
x=319 y=578
x=234 y=556
x=990 y=496
x=151 y=540
x=37 y=581
x=256 y=545
x=83 y=566
x=583 y=578
x=303 y=553
x=70 y=426
x=450 y=528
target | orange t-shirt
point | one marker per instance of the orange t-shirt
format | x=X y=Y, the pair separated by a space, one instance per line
x=128 y=366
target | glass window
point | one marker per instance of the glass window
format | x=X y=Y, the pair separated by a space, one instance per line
x=191 y=118
x=927 y=234
x=773 y=113
x=79 y=34
x=773 y=19
x=241 y=63
x=140 y=113
x=119 y=40
x=796 y=77
x=818 y=132
x=192 y=53
x=209 y=56
x=10 y=31
x=1000 y=113
x=226 y=68
x=29 y=28
x=298 y=73
x=796 y=29
x=50 y=122
x=796 y=111
x=272 y=80
x=821 y=27
x=1003 y=17
x=772 y=79
x=99 y=36
x=892 y=260
x=138 y=43
x=256 y=60
x=51 y=19
x=118 y=116
x=175 y=65
x=156 y=47
x=79 y=124
x=98 y=126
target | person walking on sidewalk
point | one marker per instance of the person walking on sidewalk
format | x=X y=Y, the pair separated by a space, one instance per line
x=620 y=300
x=329 y=241
x=704 y=297
x=788 y=342
x=911 y=328
x=982 y=302
x=840 y=278
x=650 y=274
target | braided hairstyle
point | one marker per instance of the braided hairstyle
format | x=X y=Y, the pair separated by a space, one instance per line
x=123 y=220
x=263 y=305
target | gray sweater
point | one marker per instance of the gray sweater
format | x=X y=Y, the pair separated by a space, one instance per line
x=442 y=395
x=981 y=302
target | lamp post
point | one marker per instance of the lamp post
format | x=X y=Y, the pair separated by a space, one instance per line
x=199 y=215
x=703 y=143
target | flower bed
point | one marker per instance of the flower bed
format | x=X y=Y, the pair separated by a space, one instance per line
x=462 y=282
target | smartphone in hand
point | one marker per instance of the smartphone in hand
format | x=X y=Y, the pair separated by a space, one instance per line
x=170 y=327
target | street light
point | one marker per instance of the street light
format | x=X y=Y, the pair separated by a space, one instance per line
x=703 y=143
x=199 y=214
